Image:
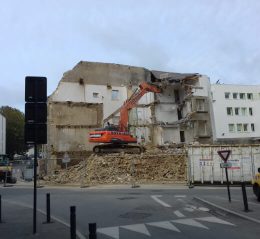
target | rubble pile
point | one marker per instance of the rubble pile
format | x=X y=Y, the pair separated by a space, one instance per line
x=168 y=165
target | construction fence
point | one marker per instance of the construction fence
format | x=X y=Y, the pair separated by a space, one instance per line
x=203 y=163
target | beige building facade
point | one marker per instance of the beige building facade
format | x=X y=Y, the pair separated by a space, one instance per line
x=88 y=95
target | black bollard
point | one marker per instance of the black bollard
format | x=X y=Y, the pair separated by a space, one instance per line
x=73 y=222
x=48 y=208
x=0 y=208
x=243 y=184
x=92 y=227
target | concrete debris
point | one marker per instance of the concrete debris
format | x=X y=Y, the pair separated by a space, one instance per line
x=153 y=166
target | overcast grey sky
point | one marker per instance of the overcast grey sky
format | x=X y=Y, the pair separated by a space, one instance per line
x=219 y=38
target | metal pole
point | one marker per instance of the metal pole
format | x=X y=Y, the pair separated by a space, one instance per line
x=35 y=189
x=73 y=222
x=0 y=208
x=5 y=178
x=92 y=227
x=229 y=197
x=243 y=184
x=48 y=208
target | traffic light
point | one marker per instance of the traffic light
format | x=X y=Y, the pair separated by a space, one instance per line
x=35 y=112
x=35 y=89
x=35 y=131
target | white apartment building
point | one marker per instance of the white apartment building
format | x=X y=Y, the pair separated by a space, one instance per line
x=236 y=110
x=2 y=134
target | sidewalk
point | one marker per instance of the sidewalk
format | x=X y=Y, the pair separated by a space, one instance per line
x=18 y=223
x=235 y=207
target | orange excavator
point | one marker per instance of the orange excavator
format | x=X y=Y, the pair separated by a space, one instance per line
x=117 y=138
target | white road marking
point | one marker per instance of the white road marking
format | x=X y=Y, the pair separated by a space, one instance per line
x=204 y=209
x=215 y=220
x=180 y=200
x=141 y=228
x=178 y=213
x=188 y=209
x=191 y=206
x=189 y=222
x=180 y=196
x=156 y=198
x=165 y=225
x=110 y=231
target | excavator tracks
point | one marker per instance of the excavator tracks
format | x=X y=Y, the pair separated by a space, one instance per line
x=118 y=148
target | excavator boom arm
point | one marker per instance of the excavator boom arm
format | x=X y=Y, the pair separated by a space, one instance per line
x=132 y=102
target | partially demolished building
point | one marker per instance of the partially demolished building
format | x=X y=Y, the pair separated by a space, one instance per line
x=89 y=94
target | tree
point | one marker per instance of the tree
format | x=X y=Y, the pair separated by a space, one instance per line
x=14 y=130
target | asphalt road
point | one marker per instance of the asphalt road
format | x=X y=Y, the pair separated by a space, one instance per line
x=142 y=213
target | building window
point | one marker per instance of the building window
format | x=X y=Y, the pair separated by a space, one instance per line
x=242 y=96
x=231 y=128
x=243 y=111
x=95 y=95
x=229 y=111
x=115 y=95
x=239 y=127
x=234 y=95
x=250 y=111
x=245 y=127
x=236 y=111
x=200 y=104
x=227 y=95
x=249 y=96
x=253 y=127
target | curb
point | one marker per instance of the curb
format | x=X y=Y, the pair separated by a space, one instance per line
x=210 y=204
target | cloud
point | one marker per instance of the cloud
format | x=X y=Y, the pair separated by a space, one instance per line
x=218 y=38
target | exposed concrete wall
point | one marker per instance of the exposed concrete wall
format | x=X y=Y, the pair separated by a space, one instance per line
x=101 y=94
x=69 y=125
x=106 y=74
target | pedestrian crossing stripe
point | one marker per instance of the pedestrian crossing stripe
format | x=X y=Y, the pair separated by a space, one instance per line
x=178 y=213
x=215 y=220
x=109 y=231
x=164 y=225
x=189 y=222
x=141 y=228
x=113 y=232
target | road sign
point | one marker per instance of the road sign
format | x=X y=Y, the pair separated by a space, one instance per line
x=224 y=154
x=66 y=158
x=225 y=165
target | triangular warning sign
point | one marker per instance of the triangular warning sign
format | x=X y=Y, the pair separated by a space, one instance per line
x=224 y=154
